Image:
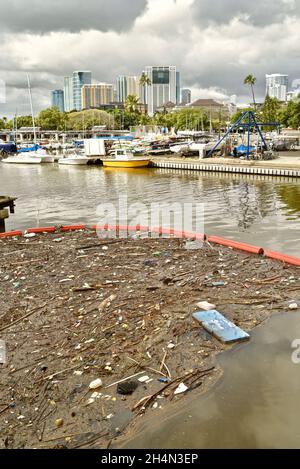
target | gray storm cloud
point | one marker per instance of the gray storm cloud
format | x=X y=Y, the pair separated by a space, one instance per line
x=42 y=16
x=51 y=38
x=259 y=13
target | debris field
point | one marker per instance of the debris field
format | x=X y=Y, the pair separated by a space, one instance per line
x=100 y=332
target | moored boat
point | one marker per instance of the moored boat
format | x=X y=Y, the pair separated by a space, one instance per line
x=123 y=158
x=24 y=159
x=74 y=160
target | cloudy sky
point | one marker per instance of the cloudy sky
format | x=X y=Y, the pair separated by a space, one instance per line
x=214 y=43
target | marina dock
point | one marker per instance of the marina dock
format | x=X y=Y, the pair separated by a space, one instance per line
x=283 y=166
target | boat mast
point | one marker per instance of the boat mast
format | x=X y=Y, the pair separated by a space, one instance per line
x=16 y=126
x=31 y=107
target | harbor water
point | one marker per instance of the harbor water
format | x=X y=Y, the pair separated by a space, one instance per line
x=258 y=209
x=254 y=405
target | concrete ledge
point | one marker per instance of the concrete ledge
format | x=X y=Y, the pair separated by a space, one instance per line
x=257 y=168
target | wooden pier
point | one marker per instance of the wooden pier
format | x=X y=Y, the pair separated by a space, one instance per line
x=5 y=204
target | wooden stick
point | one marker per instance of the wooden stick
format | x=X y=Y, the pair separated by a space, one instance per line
x=147 y=367
x=163 y=360
x=91 y=246
x=23 y=317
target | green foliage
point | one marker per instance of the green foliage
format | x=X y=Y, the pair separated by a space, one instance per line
x=131 y=104
x=270 y=110
x=145 y=80
x=52 y=119
x=22 y=121
x=290 y=115
x=250 y=80
x=238 y=114
x=187 y=118
x=85 y=120
x=193 y=119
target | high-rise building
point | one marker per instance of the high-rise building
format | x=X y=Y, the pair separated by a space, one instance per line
x=95 y=96
x=57 y=99
x=177 y=87
x=186 y=96
x=163 y=87
x=68 y=94
x=277 y=86
x=293 y=94
x=127 y=85
x=80 y=78
x=121 y=88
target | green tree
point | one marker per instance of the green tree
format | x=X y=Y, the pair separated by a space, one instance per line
x=52 y=119
x=192 y=119
x=289 y=116
x=239 y=113
x=22 y=121
x=145 y=119
x=145 y=81
x=85 y=120
x=271 y=110
x=132 y=104
x=250 y=80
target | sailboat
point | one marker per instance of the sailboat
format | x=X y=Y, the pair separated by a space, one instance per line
x=35 y=154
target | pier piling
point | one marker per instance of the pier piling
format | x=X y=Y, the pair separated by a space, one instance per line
x=5 y=204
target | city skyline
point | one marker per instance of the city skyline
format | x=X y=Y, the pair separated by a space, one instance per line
x=163 y=89
x=214 y=46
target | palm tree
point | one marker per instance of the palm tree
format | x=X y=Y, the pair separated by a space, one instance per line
x=145 y=81
x=250 y=80
x=132 y=103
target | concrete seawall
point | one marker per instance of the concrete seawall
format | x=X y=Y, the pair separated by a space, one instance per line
x=268 y=168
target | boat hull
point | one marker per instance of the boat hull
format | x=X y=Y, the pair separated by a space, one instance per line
x=75 y=161
x=46 y=159
x=115 y=163
x=22 y=160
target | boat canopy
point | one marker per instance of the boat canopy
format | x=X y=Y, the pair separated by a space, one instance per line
x=121 y=137
x=8 y=147
x=28 y=149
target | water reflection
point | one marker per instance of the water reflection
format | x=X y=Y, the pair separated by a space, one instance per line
x=290 y=196
x=257 y=209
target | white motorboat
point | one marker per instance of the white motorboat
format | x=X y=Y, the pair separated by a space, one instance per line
x=74 y=160
x=22 y=159
x=42 y=155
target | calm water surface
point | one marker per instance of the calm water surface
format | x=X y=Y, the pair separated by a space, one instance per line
x=254 y=405
x=255 y=209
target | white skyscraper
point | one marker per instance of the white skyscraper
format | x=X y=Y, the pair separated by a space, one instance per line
x=163 y=87
x=68 y=94
x=277 y=86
